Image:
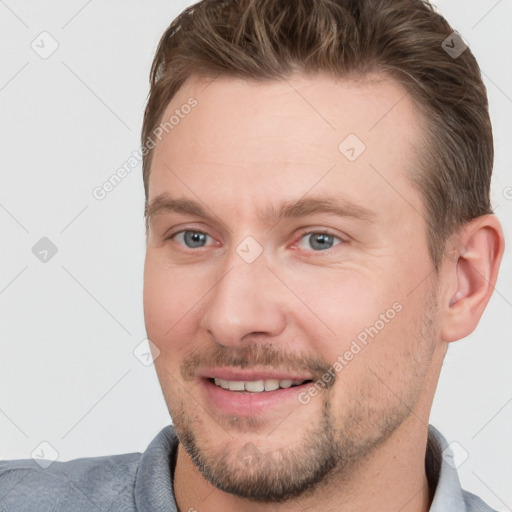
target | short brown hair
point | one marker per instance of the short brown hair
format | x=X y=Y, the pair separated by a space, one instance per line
x=272 y=39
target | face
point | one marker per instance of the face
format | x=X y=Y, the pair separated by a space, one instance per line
x=287 y=249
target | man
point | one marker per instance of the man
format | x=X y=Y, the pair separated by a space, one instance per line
x=319 y=230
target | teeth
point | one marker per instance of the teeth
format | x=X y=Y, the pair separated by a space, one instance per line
x=271 y=384
x=222 y=383
x=235 y=385
x=256 y=386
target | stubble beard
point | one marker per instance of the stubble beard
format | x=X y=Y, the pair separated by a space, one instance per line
x=327 y=452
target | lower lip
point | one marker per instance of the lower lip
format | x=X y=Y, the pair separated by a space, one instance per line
x=245 y=403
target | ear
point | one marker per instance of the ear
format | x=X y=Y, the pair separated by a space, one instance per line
x=470 y=270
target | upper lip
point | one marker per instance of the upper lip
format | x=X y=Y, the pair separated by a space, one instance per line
x=250 y=374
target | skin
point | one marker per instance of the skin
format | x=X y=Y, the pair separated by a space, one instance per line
x=247 y=146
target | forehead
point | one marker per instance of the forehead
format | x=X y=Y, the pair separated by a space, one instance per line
x=279 y=139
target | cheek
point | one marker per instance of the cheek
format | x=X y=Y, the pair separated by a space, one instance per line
x=333 y=306
x=366 y=319
x=170 y=295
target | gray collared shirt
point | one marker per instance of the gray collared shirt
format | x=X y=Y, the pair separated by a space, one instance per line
x=142 y=482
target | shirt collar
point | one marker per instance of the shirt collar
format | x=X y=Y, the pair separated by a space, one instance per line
x=439 y=460
x=153 y=481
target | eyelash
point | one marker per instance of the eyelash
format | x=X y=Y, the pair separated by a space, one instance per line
x=301 y=235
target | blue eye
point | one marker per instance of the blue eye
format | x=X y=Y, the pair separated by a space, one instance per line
x=319 y=241
x=191 y=239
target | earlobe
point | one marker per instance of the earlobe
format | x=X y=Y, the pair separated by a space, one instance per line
x=472 y=265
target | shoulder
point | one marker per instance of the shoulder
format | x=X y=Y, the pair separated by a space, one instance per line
x=444 y=479
x=475 y=503
x=90 y=483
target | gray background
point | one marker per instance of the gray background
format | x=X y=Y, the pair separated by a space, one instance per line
x=68 y=374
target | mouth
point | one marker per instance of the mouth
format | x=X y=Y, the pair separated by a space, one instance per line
x=250 y=393
x=257 y=386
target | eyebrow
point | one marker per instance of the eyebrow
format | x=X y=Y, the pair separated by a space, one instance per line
x=303 y=207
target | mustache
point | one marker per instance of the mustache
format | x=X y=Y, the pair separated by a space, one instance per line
x=262 y=355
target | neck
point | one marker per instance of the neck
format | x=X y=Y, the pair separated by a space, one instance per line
x=393 y=478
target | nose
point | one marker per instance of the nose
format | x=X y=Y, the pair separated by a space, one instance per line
x=245 y=304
